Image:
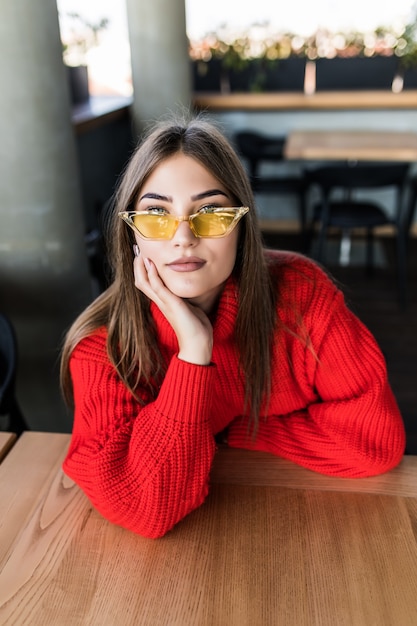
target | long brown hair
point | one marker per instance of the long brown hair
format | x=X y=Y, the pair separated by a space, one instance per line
x=125 y=311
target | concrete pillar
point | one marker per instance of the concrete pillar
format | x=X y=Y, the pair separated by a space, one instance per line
x=160 y=62
x=44 y=276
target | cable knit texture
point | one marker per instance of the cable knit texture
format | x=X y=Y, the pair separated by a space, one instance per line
x=331 y=408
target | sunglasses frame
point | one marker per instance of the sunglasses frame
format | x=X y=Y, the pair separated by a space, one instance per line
x=127 y=216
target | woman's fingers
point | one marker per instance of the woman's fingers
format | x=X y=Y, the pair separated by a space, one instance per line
x=150 y=283
x=148 y=280
x=191 y=325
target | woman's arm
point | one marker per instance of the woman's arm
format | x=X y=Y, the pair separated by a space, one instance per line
x=352 y=425
x=147 y=467
x=143 y=468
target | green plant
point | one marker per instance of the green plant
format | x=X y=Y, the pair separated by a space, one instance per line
x=406 y=49
x=236 y=53
x=79 y=36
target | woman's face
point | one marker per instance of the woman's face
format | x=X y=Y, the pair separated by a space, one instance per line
x=191 y=267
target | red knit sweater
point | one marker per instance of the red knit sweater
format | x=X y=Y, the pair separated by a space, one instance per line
x=331 y=408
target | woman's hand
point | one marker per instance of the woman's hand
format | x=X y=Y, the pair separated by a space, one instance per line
x=191 y=325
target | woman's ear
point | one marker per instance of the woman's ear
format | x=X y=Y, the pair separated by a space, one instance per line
x=136 y=250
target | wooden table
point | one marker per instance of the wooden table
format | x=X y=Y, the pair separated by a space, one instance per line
x=320 y=101
x=6 y=442
x=274 y=544
x=322 y=145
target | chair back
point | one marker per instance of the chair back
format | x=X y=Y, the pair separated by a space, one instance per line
x=256 y=147
x=361 y=176
x=8 y=368
x=411 y=204
x=7 y=361
x=348 y=212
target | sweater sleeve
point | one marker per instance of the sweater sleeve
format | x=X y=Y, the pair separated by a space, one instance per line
x=352 y=425
x=142 y=468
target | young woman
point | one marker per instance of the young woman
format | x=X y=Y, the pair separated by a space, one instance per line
x=203 y=332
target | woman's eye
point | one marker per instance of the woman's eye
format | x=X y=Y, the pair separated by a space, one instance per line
x=156 y=210
x=208 y=208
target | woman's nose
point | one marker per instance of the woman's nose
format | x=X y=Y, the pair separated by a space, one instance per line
x=184 y=235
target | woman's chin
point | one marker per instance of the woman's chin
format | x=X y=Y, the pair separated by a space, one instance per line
x=187 y=294
x=184 y=288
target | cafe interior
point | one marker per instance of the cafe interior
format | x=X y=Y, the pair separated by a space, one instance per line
x=334 y=171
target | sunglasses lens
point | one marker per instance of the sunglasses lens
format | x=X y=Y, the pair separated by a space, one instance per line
x=213 y=224
x=155 y=226
x=218 y=223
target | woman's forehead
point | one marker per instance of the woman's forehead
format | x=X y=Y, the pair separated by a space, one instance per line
x=181 y=174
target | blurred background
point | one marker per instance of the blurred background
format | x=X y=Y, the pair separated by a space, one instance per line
x=109 y=59
x=82 y=80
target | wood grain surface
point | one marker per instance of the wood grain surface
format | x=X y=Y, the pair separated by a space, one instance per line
x=253 y=554
x=6 y=442
x=319 y=101
x=351 y=145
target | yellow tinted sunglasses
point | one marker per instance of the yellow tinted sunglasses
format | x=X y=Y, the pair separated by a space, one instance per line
x=211 y=223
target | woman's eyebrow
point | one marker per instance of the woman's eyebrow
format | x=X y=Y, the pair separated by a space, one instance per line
x=208 y=194
x=155 y=196
x=199 y=196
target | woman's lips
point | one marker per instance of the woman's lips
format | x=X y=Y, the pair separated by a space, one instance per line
x=186 y=264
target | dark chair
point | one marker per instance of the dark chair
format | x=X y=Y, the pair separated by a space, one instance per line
x=9 y=406
x=96 y=247
x=348 y=211
x=256 y=149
